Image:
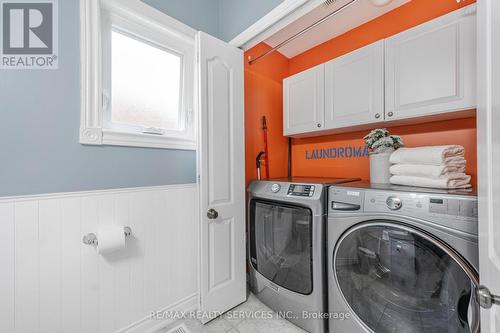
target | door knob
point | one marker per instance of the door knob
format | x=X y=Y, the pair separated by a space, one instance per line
x=390 y=114
x=212 y=214
x=377 y=115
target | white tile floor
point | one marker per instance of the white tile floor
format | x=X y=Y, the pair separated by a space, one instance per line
x=242 y=320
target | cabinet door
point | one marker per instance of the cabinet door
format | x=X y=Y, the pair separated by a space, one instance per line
x=354 y=87
x=431 y=69
x=303 y=102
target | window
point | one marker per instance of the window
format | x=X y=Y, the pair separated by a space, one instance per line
x=137 y=77
x=145 y=84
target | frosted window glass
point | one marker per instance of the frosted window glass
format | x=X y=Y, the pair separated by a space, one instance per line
x=145 y=83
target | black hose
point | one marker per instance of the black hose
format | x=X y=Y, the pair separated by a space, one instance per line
x=258 y=158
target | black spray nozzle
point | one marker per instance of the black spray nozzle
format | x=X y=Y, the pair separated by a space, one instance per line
x=258 y=158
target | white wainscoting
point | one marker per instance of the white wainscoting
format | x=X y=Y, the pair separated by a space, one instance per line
x=50 y=282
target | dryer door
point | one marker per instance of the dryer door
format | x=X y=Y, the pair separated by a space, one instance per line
x=281 y=244
x=395 y=278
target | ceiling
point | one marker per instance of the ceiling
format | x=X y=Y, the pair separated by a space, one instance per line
x=356 y=14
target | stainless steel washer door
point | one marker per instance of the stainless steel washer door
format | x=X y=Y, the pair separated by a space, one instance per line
x=396 y=278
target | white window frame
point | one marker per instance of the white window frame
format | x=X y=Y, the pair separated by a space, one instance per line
x=138 y=20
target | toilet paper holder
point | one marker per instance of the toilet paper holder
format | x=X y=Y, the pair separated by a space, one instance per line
x=91 y=238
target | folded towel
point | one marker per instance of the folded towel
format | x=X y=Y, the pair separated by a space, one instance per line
x=455 y=161
x=432 y=155
x=428 y=171
x=453 y=182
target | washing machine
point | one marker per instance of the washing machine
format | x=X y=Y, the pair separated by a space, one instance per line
x=286 y=240
x=402 y=260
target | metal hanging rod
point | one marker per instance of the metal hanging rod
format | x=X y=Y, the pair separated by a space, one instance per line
x=300 y=33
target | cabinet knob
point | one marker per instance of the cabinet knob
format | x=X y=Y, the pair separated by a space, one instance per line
x=377 y=115
x=319 y=125
x=390 y=114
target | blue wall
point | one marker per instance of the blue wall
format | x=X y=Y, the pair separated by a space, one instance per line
x=40 y=114
x=199 y=14
x=39 y=121
x=237 y=15
x=224 y=19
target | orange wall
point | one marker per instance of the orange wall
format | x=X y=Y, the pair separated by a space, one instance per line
x=263 y=95
x=459 y=131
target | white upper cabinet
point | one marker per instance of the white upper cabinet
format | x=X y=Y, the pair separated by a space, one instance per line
x=428 y=71
x=431 y=69
x=304 y=101
x=354 y=87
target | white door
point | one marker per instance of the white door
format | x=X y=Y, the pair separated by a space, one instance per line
x=221 y=166
x=431 y=68
x=354 y=87
x=303 y=101
x=488 y=129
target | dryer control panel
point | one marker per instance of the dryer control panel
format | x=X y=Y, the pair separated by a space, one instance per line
x=300 y=190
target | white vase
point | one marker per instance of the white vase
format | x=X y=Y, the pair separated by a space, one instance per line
x=380 y=168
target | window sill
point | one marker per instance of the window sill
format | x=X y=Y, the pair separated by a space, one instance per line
x=98 y=136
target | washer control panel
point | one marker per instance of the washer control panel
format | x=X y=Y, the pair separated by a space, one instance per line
x=394 y=203
x=419 y=204
x=451 y=210
x=301 y=190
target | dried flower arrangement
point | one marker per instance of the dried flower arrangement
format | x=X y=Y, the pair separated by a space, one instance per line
x=380 y=141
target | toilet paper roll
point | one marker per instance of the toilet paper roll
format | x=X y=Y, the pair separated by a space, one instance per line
x=110 y=239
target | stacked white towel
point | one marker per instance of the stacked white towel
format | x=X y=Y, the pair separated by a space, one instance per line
x=435 y=166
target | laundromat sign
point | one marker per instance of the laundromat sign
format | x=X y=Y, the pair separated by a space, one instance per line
x=337 y=152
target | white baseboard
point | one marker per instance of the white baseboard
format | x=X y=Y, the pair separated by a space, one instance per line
x=151 y=325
